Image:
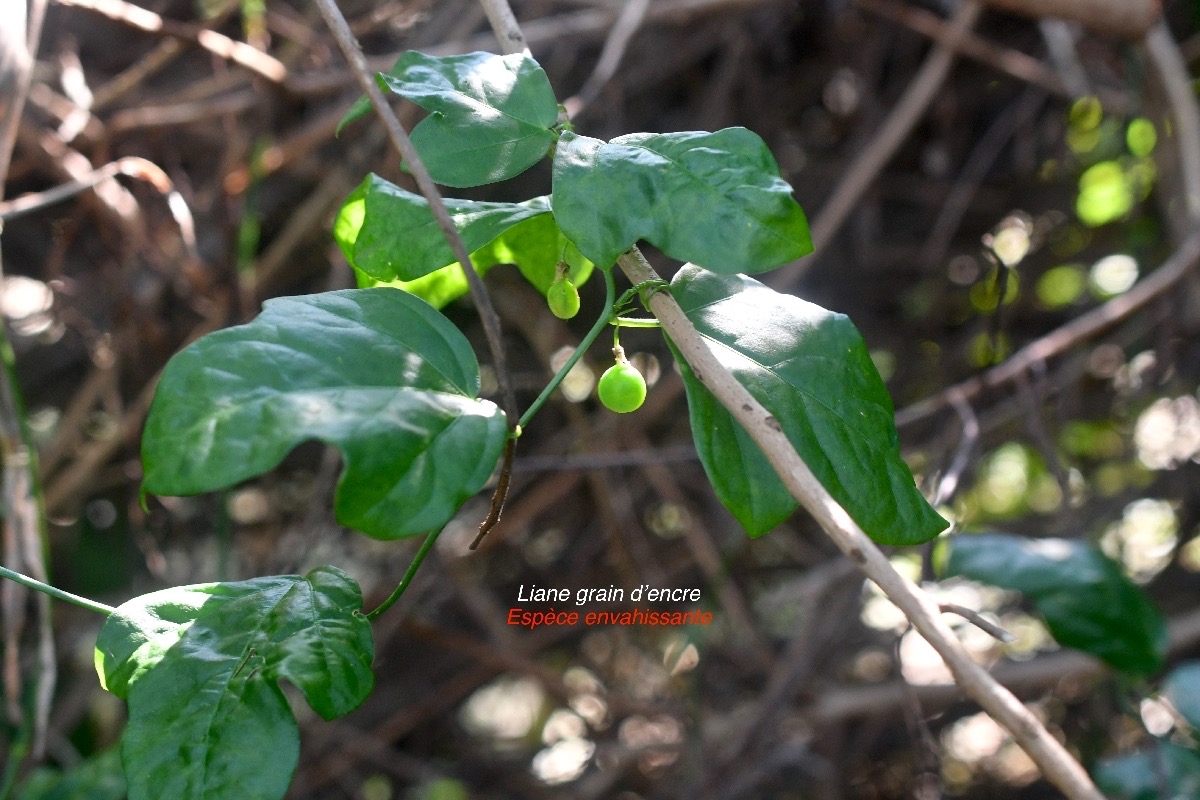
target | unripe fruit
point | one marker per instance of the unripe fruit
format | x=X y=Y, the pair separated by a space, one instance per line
x=563 y=299
x=622 y=388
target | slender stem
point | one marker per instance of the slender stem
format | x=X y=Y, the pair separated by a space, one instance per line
x=505 y=26
x=601 y=323
x=53 y=591
x=426 y=546
x=348 y=44
x=635 y=322
x=979 y=621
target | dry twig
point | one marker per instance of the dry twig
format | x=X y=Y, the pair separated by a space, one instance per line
x=883 y=145
x=218 y=44
x=1129 y=19
x=1067 y=337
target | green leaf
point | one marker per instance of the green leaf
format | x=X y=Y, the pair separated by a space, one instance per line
x=535 y=245
x=200 y=668
x=376 y=373
x=439 y=288
x=491 y=117
x=743 y=479
x=385 y=231
x=388 y=232
x=715 y=199
x=1088 y=604
x=1135 y=776
x=99 y=777
x=1183 y=688
x=810 y=368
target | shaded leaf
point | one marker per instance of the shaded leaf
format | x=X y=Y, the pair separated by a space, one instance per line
x=1135 y=776
x=715 y=199
x=810 y=368
x=200 y=668
x=491 y=117
x=1088 y=604
x=376 y=373
x=99 y=777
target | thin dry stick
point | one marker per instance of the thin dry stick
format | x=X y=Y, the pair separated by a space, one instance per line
x=1011 y=62
x=1051 y=757
x=399 y=137
x=505 y=26
x=557 y=29
x=1130 y=19
x=24 y=542
x=1033 y=678
x=979 y=621
x=1181 y=96
x=962 y=454
x=883 y=145
x=623 y=29
x=1065 y=338
x=218 y=44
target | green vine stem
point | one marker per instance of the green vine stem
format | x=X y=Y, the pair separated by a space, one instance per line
x=635 y=322
x=602 y=322
x=426 y=546
x=45 y=588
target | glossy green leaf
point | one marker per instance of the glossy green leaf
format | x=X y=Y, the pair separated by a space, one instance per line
x=200 y=668
x=715 y=199
x=99 y=777
x=388 y=232
x=1136 y=776
x=376 y=373
x=1088 y=604
x=810 y=368
x=491 y=117
x=1182 y=687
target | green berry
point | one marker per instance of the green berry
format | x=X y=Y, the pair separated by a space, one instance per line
x=563 y=299
x=622 y=388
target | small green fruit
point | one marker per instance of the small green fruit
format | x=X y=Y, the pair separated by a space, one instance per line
x=563 y=299
x=622 y=388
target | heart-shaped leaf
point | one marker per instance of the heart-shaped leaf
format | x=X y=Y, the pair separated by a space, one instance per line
x=491 y=117
x=200 y=668
x=1086 y=601
x=377 y=373
x=715 y=199
x=810 y=368
x=389 y=233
